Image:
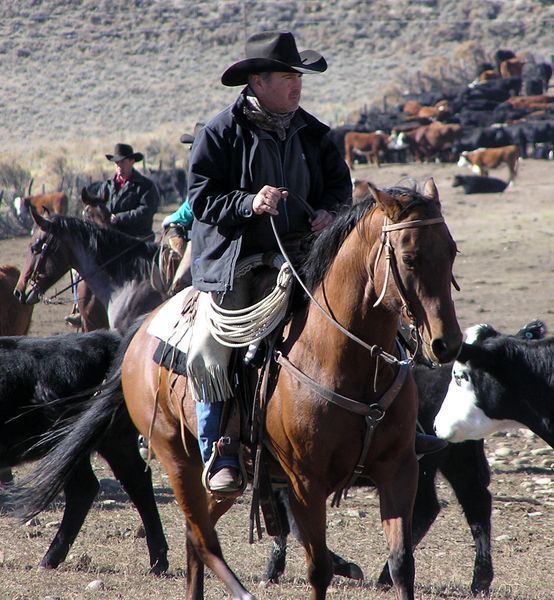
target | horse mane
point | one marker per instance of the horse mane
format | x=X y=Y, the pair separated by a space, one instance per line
x=135 y=255
x=327 y=244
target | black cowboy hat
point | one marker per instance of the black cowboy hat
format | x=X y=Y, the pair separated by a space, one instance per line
x=122 y=151
x=188 y=138
x=273 y=51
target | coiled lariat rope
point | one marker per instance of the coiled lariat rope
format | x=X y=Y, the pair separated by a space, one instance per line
x=239 y=328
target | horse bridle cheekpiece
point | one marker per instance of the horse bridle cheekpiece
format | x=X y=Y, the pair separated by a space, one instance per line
x=39 y=247
x=392 y=266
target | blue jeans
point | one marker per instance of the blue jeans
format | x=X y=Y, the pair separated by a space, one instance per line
x=208 y=415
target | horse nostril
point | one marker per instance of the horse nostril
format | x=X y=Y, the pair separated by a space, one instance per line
x=440 y=349
x=17 y=293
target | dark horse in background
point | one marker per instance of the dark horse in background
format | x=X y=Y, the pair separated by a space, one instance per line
x=45 y=383
x=120 y=270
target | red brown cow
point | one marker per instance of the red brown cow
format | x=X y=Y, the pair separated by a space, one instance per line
x=360 y=190
x=435 y=141
x=15 y=317
x=365 y=144
x=53 y=203
x=483 y=159
x=539 y=102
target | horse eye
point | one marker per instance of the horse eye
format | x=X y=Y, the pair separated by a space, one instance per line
x=37 y=247
x=408 y=260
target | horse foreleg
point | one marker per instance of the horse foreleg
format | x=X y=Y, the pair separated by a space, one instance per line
x=396 y=500
x=310 y=515
x=195 y=569
x=278 y=553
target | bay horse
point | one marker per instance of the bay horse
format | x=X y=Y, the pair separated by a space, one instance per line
x=46 y=385
x=119 y=269
x=464 y=465
x=338 y=362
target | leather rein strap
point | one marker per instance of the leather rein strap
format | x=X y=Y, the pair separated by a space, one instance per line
x=372 y=413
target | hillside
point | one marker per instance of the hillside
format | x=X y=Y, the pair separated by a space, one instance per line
x=81 y=74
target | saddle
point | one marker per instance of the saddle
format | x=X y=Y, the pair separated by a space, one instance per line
x=250 y=372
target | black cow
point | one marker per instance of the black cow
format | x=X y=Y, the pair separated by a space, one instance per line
x=478 y=184
x=499 y=382
x=482 y=137
x=45 y=383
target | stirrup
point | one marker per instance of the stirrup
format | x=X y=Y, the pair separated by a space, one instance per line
x=216 y=453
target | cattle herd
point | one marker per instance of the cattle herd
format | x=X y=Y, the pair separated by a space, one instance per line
x=504 y=114
x=484 y=125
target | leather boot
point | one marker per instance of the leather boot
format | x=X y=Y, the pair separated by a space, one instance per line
x=427 y=444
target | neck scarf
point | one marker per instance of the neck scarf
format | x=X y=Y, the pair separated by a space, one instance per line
x=265 y=119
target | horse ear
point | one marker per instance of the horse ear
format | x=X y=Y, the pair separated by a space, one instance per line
x=430 y=190
x=385 y=201
x=39 y=220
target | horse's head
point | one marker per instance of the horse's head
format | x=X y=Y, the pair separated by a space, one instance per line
x=94 y=208
x=412 y=266
x=46 y=261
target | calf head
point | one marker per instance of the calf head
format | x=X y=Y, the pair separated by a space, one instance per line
x=481 y=397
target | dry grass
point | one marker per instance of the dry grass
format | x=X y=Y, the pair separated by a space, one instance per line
x=79 y=75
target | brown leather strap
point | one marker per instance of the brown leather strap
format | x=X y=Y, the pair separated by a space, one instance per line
x=375 y=410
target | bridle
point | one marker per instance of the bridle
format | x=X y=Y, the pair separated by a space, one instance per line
x=392 y=267
x=35 y=274
x=34 y=277
x=375 y=351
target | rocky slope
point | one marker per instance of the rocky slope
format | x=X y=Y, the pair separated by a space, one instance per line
x=88 y=72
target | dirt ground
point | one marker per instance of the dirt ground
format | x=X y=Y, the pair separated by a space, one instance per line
x=504 y=268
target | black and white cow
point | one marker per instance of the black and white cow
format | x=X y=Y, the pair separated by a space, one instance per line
x=499 y=382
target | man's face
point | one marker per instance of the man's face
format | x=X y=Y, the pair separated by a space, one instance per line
x=280 y=92
x=124 y=167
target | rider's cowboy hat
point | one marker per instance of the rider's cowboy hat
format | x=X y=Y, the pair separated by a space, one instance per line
x=188 y=138
x=273 y=51
x=122 y=151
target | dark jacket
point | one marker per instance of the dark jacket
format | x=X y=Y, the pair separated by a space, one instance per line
x=134 y=204
x=221 y=192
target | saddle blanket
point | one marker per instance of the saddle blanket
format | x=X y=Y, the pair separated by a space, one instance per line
x=173 y=327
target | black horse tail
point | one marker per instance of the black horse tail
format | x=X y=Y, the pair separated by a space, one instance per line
x=78 y=438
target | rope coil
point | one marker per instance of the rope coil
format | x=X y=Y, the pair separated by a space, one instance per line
x=241 y=327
